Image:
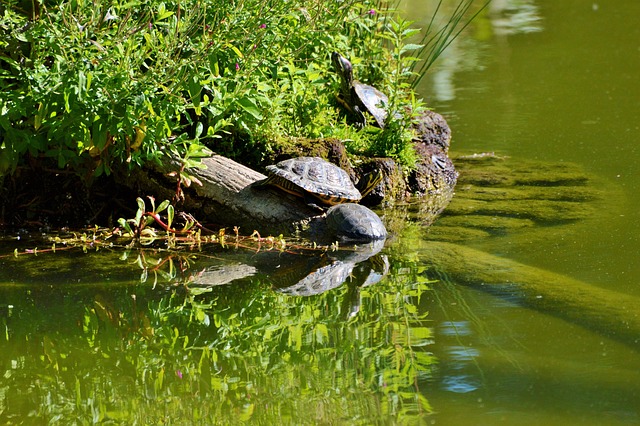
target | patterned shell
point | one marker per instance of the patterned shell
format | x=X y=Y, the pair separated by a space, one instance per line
x=373 y=100
x=315 y=176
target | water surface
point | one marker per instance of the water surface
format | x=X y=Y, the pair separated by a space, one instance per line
x=556 y=81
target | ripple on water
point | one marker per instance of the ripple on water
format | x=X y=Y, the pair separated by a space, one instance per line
x=455 y=328
x=461 y=383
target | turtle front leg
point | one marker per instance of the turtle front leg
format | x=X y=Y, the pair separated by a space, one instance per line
x=360 y=118
x=354 y=112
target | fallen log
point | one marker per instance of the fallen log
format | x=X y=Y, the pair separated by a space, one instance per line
x=225 y=193
x=227 y=196
x=612 y=314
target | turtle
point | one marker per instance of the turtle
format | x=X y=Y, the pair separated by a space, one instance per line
x=358 y=97
x=317 y=180
x=354 y=223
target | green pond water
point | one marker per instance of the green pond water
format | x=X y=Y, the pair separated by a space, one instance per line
x=403 y=334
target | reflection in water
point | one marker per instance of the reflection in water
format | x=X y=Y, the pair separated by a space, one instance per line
x=303 y=272
x=327 y=272
x=467 y=53
x=460 y=383
x=462 y=354
x=514 y=16
x=454 y=328
x=442 y=76
x=297 y=275
x=222 y=274
x=359 y=268
x=98 y=341
x=459 y=359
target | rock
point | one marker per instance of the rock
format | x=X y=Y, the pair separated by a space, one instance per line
x=432 y=129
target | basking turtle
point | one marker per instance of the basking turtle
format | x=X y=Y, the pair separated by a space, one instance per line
x=358 y=97
x=315 y=179
x=353 y=223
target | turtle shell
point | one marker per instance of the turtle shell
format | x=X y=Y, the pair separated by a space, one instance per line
x=373 y=101
x=313 y=176
x=355 y=223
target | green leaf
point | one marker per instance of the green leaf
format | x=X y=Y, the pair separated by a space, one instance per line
x=199 y=129
x=99 y=133
x=196 y=291
x=194 y=90
x=82 y=83
x=67 y=104
x=140 y=212
x=410 y=47
x=163 y=13
x=249 y=105
x=410 y=32
x=170 y=214
x=197 y=150
x=163 y=205
x=236 y=50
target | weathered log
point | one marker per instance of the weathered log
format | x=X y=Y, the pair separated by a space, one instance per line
x=227 y=196
x=224 y=193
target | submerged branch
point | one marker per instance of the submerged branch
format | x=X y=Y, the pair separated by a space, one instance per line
x=612 y=314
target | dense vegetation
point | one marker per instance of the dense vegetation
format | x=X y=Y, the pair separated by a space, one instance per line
x=94 y=85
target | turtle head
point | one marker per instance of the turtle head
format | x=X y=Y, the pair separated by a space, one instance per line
x=343 y=68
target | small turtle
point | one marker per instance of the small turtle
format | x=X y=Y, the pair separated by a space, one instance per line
x=315 y=179
x=354 y=223
x=358 y=97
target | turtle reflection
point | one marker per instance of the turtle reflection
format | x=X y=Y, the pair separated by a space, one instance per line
x=363 y=266
x=304 y=272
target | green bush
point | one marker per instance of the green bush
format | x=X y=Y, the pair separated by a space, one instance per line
x=93 y=86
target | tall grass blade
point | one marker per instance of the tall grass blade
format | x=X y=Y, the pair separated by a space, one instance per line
x=435 y=42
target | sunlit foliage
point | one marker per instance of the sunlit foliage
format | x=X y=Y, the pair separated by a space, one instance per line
x=95 y=86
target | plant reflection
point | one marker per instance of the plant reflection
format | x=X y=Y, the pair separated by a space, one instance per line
x=273 y=347
x=503 y=18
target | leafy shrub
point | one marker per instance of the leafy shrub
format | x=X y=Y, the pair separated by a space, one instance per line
x=94 y=86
